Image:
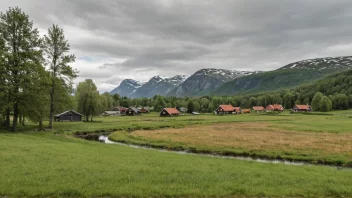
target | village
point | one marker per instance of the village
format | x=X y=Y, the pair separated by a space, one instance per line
x=74 y=116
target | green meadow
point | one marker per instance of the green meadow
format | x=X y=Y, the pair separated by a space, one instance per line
x=56 y=164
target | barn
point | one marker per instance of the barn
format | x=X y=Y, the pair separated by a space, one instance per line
x=132 y=111
x=70 y=115
x=275 y=107
x=228 y=109
x=169 y=112
x=302 y=108
x=144 y=110
x=258 y=108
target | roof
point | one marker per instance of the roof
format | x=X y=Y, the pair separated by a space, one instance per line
x=171 y=111
x=237 y=108
x=227 y=107
x=67 y=112
x=303 y=107
x=258 y=108
x=275 y=106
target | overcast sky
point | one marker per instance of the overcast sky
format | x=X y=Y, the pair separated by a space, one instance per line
x=138 y=39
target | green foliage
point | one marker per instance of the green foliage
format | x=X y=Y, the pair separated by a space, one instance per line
x=20 y=59
x=89 y=100
x=316 y=101
x=55 y=48
x=190 y=106
x=325 y=104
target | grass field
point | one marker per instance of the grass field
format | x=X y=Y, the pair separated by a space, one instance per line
x=43 y=164
x=57 y=164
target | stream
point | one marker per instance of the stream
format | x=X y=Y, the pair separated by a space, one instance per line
x=106 y=140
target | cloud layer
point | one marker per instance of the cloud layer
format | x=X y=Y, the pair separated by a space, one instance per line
x=138 y=39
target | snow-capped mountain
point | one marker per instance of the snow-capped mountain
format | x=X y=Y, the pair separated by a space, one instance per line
x=205 y=80
x=127 y=87
x=327 y=63
x=158 y=85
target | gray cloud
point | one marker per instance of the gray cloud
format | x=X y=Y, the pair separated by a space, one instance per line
x=138 y=38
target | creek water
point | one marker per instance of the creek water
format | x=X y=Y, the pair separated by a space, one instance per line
x=106 y=140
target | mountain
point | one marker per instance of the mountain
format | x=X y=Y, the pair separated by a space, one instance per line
x=127 y=87
x=288 y=76
x=158 y=85
x=206 y=80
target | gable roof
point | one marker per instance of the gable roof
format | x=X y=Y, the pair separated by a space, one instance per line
x=67 y=112
x=171 y=111
x=258 y=108
x=227 y=107
x=303 y=107
x=275 y=106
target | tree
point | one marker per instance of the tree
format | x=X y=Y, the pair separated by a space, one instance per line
x=252 y=102
x=316 y=101
x=190 y=106
x=88 y=99
x=159 y=103
x=325 y=104
x=55 y=48
x=20 y=42
x=306 y=101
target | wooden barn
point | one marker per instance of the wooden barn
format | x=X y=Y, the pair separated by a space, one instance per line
x=169 y=112
x=144 y=110
x=132 y=111
x=70 y=115
x=228 y=109
x=302 y=108
x=274 y=107
x=258 y=109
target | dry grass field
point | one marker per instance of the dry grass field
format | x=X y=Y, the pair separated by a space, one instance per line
x=256 y=139
x=254 y=136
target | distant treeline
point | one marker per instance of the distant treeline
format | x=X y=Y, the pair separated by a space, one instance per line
x=337 y=88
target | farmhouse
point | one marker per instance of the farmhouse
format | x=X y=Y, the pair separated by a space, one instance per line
x=169 y=112
x=258 y=108
x=70 y=115
x=275 y=107
x=302 y=108
x=132 y=111
x=228 y=109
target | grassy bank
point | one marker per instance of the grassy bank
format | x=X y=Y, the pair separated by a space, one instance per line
x=40 y=164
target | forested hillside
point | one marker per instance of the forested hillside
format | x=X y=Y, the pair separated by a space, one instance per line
x=289 y=76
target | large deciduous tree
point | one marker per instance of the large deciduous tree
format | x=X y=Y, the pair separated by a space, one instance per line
x=89 y=100
x=316 y=101
x=20 y=58
x=56 y=49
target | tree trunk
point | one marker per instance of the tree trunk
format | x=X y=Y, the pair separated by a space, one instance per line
x=41 y=124
x=7 y=119
x=15 y=116
x=51 y=115
x=22 y=120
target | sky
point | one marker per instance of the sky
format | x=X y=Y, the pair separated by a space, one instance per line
x=138 y=39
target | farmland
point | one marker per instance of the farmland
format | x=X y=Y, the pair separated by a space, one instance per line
x=55 y=163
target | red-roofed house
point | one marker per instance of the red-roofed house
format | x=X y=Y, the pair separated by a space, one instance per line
x=169 y=112
x=228 y=109
x=275 y=107
x=258 y=108
x=302 y=108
